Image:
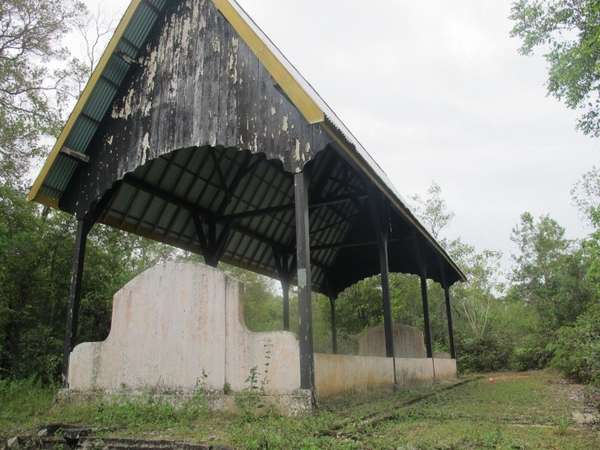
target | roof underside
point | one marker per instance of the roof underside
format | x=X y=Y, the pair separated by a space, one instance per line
x=253 y=199
x=158 y=200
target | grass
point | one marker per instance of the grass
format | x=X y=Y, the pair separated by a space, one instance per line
x=511 y=411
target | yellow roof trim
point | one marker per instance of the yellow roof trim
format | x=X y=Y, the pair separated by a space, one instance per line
x=292 y=88
x=80 y=105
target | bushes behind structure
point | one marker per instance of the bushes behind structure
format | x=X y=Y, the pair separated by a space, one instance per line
x=577 y=350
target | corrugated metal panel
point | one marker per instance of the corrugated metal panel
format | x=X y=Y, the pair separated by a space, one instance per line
x=116 y=70
x=97 y=106
x=140 y=26
x=60 y=178
x=100 y=100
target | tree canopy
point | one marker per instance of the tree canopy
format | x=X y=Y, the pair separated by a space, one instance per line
x=568 y=33
x=32 y=94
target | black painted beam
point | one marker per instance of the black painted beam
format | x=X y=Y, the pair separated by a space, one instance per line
x=307 y=367
x=284 y=269
x=343 y=245
x=83 y=228
x=282 y=208
x=450 y=326
x=285 y=287
x=426 y=322
x=202 y=214
x=381 y=225
x=164 y=195
x=334 y=347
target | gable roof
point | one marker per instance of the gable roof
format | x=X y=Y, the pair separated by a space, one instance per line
x=129 y=38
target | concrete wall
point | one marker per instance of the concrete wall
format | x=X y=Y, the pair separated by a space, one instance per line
x=178 y=326
x=336 y=374
x=408 y=342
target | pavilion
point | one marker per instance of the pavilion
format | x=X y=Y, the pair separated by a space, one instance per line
x=194 y=130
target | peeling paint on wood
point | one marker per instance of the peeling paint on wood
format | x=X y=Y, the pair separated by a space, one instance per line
x=197 y=84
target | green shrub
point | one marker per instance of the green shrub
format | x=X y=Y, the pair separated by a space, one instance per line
x=577 y=349
x=486 y=354
x=532 y=353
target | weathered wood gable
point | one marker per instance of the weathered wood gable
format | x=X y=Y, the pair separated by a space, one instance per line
x=196 y=84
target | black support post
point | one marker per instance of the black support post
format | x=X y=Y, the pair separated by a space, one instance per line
x=307 y=375
x=381 y=224
x=450 y=326
x=83 y=228
x=385 y=291
x=426 y=323
x=285 y=287
x=334 y=348
x=284 y=269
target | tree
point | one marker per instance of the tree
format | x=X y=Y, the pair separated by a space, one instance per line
x=433 y=210
x=549 y=272
x=568 y=31
x=30 y=93
x=35 y=255
x=540 y=243
x=586 y=194
x=473 y=300
x=578 y=348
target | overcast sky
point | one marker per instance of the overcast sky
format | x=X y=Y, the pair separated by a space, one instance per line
x=436 y=91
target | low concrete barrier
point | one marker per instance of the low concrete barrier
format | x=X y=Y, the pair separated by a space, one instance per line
x=336 y=374
x=408 y=342
x=179 y=327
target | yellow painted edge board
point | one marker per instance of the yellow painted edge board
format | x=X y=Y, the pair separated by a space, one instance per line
x=80 y=105
x=381 y=185
x=292 y=88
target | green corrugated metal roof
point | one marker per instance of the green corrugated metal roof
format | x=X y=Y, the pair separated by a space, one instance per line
x=97 y=98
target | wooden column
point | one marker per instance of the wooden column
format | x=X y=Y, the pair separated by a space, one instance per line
x=285 y=287
x=83 y=228
x=307 y=372
x=426 y=323
x=284 y=269
x=385 y=292
x=450 y=326
x=334 y=348
x=381 y=224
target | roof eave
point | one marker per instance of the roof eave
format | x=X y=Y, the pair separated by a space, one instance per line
x=34 y=194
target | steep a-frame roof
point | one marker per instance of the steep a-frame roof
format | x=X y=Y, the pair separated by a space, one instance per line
x=125 y=46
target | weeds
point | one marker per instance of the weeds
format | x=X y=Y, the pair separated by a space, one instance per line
x=563 y=426
x=478 y=415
